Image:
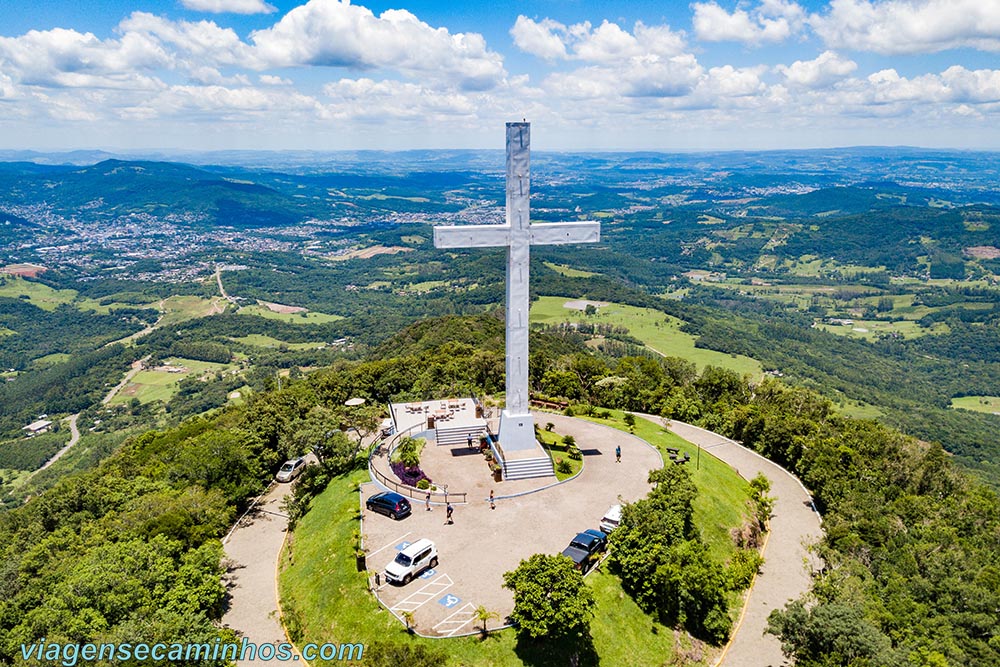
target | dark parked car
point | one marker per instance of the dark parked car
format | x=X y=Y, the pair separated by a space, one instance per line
x=391 y=504
x=585 y=549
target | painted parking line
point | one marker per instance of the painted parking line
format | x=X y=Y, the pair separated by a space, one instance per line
x=389 y=544
x=428 y=592
x=457 y=620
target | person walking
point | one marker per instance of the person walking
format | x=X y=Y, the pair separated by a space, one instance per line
x=469 y=439
x=493 y=504
x=450 y=511
x=428 y=501
x=618 y=454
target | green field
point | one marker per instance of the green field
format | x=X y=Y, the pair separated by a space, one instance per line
x=4 y=331
x=569 y=272
x=989 y=404
x=39 y=295
x=871 y=329
x=50 y=360
x=152 y=385
x=660 y=332
x=260 y=340
x=182 y=308
x=304 y=317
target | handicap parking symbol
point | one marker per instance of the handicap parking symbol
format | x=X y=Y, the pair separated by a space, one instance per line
x=402 y=545
x=428 y=573
x=449 y=601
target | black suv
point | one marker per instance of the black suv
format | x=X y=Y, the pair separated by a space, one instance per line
x=392 y=505
x=585 y=549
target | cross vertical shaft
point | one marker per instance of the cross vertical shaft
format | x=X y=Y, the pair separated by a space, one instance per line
x=518 y=265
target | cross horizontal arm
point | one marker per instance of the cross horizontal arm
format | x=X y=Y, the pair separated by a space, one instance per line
x=556 y=233
x=471 y=236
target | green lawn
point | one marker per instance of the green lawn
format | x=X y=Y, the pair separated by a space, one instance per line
x=304 y=317
x=552 y=443
x=660 y=332
x=326 y=600
x=989 y=404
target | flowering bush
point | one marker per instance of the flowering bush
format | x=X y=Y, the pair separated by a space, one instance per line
x=408 y=476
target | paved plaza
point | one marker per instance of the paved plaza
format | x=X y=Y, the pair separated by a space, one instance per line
x=482 y=544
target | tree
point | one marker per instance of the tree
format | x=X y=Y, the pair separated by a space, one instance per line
x=629 y=420
x=485 y=615
x=551 y=599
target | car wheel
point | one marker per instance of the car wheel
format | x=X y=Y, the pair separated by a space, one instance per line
x=434 y=561
x=407 y=579
x=392 y=515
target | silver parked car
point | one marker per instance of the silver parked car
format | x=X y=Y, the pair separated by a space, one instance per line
x=290 y=470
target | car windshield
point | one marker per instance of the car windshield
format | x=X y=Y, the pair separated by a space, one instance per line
x=404 y=560
x=287 y=467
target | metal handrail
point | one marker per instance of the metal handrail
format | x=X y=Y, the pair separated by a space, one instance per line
x=405 y=489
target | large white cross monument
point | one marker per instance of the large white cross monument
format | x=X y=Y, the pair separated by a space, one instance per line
x=517 y=431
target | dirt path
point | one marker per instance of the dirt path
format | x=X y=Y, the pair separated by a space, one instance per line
x=252 y=549
x=788 y=565
x=74 y=437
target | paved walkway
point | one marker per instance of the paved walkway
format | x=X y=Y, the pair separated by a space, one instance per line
x=252 y=550
x=786 y=573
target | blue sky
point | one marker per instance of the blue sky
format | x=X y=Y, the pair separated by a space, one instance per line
x=401 y=74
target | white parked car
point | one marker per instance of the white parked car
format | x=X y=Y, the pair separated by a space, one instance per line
x=411 y=561
x=611 y=518
x=290 y=470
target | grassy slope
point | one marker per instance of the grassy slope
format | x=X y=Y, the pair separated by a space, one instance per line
x=658 y=331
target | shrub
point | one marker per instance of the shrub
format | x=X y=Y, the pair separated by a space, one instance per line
x=564 y=467
x=423 y=484
x=575 y=454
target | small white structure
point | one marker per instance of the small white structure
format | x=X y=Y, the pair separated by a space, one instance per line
x=40 y=426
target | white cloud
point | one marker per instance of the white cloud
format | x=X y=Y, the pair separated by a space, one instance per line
x=539 y=38
x=201 y=42
x=230 y=6
x=338 y=34
x=368 y=99
x=271 y=80
x=648 y=76
x=770 y=21
x=67 y=58
x=910 y=26
x=607 y=43
x=824 y=70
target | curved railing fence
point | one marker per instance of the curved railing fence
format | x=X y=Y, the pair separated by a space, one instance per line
x=378 y=476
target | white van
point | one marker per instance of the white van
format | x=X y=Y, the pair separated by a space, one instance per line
x=611 y=518
x=411 y=561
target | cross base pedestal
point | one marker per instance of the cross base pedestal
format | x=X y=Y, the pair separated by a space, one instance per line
x=517 y=432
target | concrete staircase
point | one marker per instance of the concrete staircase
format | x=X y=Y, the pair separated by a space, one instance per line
x=457 y=435
x=540 y=466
